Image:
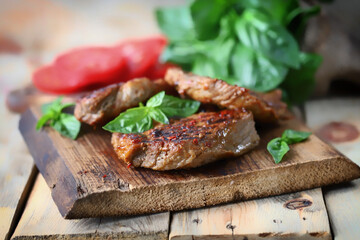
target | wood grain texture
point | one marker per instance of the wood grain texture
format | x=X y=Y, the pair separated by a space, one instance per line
x=267 y=218
x=42 y=220
x=109 y=188
x=16 y=168
x=299 y=215
x=343 y=200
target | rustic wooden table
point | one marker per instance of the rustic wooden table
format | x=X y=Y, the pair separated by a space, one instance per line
x=33 y=32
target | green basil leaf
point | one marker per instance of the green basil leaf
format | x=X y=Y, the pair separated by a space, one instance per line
x=159 y=108
x=176 y=23
x=214 y=60
x=56 y=106
x=67 y=125
x=258 y=31
x=66 y=105
x=158 y=115
x=298 y=18
x=173 y=106
x=254 y=71
x=183 y=53
x=220 y=53
x=156 y=100
x=52 y=106
x=134 y=120
x=277 y=9
x=44 y=119
x=306 y=12
x=277 y=148
x=45 y=108
x=205 y=66
x=291 y=136
x=206 y=15
x=227 y=23
x=302 y=78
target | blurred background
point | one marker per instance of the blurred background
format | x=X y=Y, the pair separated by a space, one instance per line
x=34 y=32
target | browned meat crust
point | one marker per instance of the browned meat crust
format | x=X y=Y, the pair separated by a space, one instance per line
x=105 y=104
x=265 y=107
x=189 y=142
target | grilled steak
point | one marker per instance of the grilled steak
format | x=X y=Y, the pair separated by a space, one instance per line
x=105 y=104
x=189 y=142
x=265 y=107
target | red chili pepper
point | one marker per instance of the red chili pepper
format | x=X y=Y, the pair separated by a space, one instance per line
x=104 y=176
x=129 y=165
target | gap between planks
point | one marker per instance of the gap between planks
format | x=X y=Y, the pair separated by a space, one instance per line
x=299 y=215
x=343 y=200
x=266 y=218
x=17 y=174
x=41 y=219
x=22 y=201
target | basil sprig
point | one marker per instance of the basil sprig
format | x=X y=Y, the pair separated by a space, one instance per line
x=253 y=44
x=158 y=108
x=278 y=147
x=66 y=124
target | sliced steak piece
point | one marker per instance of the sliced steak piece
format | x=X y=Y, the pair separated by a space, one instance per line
x=265 y=107
x=189 y=142
x=105 y=104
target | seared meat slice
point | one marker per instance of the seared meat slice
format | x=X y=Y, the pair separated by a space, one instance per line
x=105 y=104
x=265 y=107
x=189 y=142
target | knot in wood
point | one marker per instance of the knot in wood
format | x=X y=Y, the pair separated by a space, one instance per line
x=80 y=190
x=197 y=220
x=123 y=186
x=338 y=132
x=230 y=226
x=297 y=203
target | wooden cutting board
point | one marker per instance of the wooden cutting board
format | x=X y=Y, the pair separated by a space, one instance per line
x=87 y=179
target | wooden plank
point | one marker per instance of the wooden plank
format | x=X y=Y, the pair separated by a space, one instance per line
x=342 y=201
x=299 y=215
x=258 y=219
x=77 y=194
x=16 y=166
x=41 y=219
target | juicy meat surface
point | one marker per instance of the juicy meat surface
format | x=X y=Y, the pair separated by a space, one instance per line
x=105 y=104
x=189 y=142
x=266 y=107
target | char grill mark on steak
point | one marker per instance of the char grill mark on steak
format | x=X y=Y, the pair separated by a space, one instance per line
x=105 y=104
x=189 y=142
x=265 y=107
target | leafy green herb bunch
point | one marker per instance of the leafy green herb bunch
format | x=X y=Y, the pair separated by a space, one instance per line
x=250 y=43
